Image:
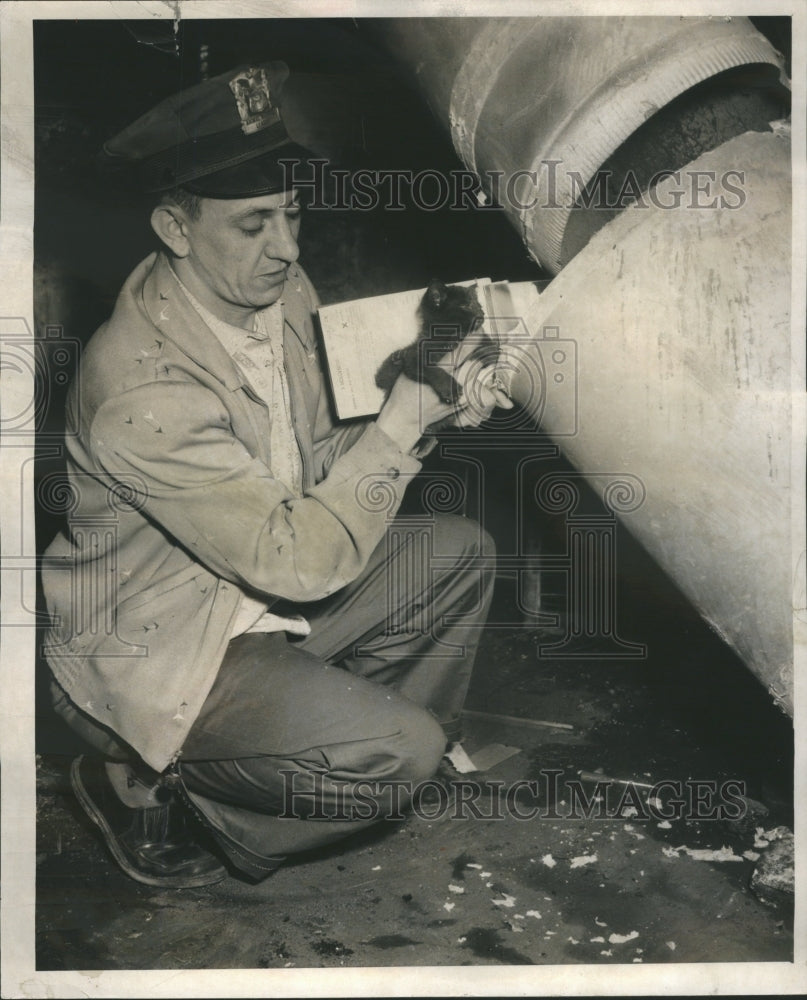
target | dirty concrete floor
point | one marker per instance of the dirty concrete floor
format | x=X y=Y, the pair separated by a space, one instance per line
x=485 y=890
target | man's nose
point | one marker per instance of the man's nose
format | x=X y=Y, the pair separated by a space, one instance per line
x=282 y=244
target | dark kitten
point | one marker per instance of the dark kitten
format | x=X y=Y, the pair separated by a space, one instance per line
x=447 y=314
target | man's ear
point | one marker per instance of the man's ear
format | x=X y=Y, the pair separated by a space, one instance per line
x=169 y=223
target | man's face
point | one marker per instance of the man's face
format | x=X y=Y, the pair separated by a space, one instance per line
x=240 y=251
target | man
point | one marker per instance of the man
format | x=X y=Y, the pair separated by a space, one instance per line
x=222 y=632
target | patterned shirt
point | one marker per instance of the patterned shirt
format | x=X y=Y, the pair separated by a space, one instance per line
x=258 y=355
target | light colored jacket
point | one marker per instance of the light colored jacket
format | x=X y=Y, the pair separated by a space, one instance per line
x=175 y=502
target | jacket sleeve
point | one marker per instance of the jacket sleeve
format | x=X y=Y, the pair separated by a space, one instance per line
x=334 y=441
x=172 y=444
x=329 y=439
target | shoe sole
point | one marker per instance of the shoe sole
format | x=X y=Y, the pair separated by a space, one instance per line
x=169 y=882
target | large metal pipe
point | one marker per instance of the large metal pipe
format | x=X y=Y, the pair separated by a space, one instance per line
x=680 y=314
x=684 y=369
x=554 y=97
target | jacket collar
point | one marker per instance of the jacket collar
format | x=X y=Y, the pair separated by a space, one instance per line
x=297 y=308
x=170 y=311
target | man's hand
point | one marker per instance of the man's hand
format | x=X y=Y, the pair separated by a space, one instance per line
x=413 y=407
x=409 y=409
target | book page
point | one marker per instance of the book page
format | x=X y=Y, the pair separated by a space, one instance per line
x=358 y=336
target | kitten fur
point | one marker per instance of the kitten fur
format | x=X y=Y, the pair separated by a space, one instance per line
x=447 y=314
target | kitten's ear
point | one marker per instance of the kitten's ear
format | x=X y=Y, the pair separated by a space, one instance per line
x=436 y=292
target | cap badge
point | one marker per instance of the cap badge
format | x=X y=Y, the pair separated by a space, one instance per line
x=254 y=100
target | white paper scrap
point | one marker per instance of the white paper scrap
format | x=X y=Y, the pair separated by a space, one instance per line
x=584 y=859
x=493 y=754
x=622 y=938
x=462 y=763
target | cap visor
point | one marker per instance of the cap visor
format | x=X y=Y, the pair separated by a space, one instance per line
x=257 y=176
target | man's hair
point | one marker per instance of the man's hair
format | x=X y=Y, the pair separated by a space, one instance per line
x=185 y=199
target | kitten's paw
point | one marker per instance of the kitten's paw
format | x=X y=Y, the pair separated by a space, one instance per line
x=389 y=371
x=445 y=385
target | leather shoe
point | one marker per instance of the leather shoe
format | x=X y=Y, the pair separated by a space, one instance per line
x=155 y=845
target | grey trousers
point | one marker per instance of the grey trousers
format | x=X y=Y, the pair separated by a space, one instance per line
x=301 y=742
x=304 y=741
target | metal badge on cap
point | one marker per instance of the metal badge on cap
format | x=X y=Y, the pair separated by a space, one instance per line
x=254 y=100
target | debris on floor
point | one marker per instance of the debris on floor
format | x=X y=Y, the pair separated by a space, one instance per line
x=492 y=754
x=774 y=875
x=548 y=876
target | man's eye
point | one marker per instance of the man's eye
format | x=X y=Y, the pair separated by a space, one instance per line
x=252 y=230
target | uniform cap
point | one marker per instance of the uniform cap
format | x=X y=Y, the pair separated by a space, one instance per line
x=222 y=138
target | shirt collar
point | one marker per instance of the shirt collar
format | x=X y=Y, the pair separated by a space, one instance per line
x=224 y=331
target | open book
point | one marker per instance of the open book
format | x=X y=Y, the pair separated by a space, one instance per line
x=358 y=336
